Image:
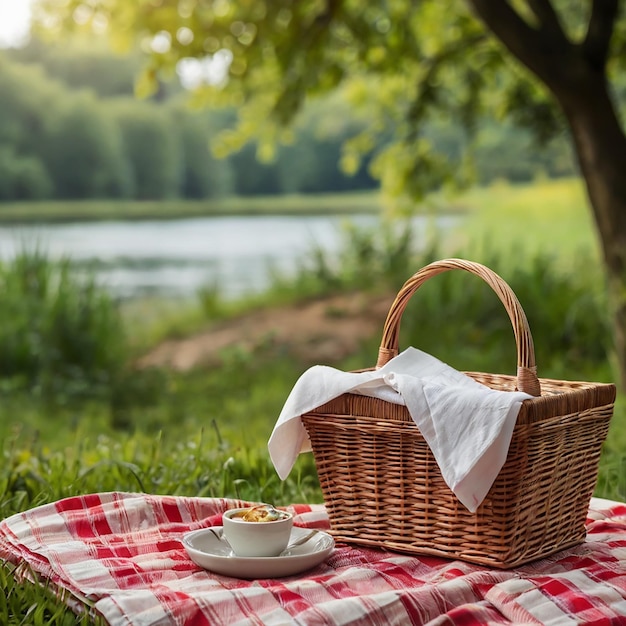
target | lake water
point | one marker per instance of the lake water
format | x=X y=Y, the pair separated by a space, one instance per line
x=176 y=258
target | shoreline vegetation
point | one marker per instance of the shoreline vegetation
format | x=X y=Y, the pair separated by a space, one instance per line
x=500 y=213
x=95 y=210
x=336 y=203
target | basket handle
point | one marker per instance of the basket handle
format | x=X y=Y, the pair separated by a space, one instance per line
x=527 y=380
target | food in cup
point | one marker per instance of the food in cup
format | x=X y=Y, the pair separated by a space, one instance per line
x=261 y=513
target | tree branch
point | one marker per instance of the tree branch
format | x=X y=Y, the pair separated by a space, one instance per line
x=548 y=19
x=543 y=53
x=599 y=32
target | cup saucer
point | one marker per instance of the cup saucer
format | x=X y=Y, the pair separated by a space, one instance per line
x=207 y=550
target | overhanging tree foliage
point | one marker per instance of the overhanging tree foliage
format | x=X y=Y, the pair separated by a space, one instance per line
x=553 y=66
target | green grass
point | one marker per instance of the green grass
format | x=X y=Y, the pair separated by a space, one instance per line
x=207 y=463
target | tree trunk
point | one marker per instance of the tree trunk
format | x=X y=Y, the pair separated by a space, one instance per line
x=575 y=73
x=601 y=149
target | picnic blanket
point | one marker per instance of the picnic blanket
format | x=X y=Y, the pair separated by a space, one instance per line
x=120 y=555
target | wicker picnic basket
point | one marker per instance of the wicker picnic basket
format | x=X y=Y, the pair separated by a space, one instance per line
x=383 y=488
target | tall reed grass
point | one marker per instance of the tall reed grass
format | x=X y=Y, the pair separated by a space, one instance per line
x=61 y=335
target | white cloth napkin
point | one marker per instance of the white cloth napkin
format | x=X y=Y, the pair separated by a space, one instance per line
x=467 y=425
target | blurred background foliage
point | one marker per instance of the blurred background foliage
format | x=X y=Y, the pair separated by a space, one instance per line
x=72 y=128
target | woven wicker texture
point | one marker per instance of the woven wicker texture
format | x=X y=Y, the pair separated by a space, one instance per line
x=383 y=488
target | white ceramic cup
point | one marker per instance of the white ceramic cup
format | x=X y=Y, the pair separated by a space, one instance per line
x=256 y=538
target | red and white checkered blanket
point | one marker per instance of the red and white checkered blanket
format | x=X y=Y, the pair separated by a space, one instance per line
x=120 y=554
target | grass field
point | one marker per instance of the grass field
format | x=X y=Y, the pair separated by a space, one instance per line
x=549 y=217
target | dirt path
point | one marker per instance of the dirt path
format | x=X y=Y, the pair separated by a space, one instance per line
x=323 y=331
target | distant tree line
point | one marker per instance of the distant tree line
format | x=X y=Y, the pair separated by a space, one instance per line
x=71 y=128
